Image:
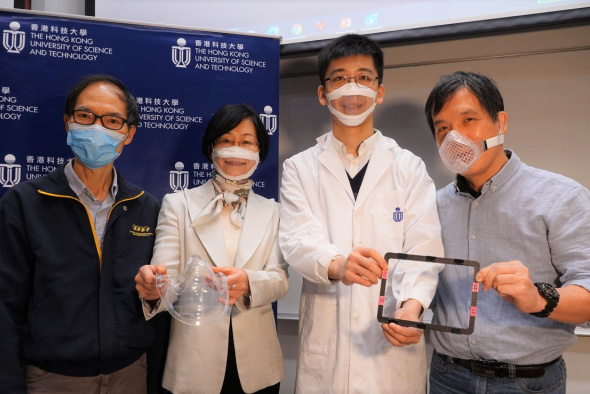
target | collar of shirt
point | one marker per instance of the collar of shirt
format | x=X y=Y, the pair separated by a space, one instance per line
x=99 y=210
x=80 y=188
x=352 y=164
x=496 y=182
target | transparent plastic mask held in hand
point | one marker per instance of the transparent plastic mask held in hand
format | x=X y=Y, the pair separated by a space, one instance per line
x=198 y=296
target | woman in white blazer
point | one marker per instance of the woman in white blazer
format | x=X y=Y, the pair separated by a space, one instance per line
x=235 y=231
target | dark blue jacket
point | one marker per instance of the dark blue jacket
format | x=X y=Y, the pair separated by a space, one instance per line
x=65 y=306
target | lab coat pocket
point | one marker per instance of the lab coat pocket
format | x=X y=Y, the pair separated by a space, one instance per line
x=388 y=214
x=318 y=330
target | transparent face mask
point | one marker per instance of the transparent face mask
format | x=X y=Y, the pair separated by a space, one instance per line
x=351 y=92
x=459 y=153
x=198 y=296
x=235 y=152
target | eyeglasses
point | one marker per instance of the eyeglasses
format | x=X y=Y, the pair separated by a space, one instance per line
x=365 y=79
x=227 y=143
x=111 y=122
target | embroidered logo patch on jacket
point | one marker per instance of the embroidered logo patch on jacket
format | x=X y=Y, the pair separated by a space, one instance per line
x=141 y=231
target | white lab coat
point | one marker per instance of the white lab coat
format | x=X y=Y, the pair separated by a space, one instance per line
x=342 y=347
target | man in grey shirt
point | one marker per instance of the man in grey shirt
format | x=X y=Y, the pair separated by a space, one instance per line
x=529 y=230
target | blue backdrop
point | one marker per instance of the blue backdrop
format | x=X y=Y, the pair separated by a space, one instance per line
x=179 y=78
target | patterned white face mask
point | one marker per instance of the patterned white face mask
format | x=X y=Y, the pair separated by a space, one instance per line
x=459 y=153
x=351 y=89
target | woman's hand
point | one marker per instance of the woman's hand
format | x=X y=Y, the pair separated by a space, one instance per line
x=237 y=282
x=145 y=281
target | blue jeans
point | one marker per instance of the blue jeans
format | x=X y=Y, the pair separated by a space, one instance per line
x=447 y=377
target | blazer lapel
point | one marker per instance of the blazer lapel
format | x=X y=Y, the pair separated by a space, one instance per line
x=259 y=212
x=210 y=234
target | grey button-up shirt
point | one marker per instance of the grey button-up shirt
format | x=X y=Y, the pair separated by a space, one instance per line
x=522 y=213
x=99 y=210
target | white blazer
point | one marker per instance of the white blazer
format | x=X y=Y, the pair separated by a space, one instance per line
x=197 y=355
x=342 y=347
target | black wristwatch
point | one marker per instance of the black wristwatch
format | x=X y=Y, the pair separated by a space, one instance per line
x=551 y=295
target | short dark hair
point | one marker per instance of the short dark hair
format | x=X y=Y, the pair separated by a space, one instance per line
x=228 y=118
x=350 y=45
x=125 y=96
x=482 y=87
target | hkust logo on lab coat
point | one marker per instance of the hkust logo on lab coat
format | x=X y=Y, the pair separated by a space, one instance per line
x=398 y=215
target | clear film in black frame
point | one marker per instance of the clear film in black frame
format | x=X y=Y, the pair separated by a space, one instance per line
x=389 y=294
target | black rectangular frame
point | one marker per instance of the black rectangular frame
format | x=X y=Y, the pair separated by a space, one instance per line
x=430 y=326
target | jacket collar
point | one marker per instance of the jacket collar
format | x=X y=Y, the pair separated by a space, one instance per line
x=259 y=211
x=378 y=164
x=57 y=183
x=496 y=182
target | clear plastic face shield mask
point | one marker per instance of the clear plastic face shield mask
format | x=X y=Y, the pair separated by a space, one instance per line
x=460 y=153
x=350 y=91
x=235 y=152
x=198 y=296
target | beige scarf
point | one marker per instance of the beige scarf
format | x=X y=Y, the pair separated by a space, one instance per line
x=227 y=192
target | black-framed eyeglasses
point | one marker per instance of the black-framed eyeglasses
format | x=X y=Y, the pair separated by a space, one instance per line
x=111 y=122
x=365 y=79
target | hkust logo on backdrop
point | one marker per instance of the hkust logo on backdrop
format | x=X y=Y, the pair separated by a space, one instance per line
x=178 y=178
x=53 y=40
x=10 y=173
x=13 y=40
x=269 y=120
x=219 y=55
x=181 y=54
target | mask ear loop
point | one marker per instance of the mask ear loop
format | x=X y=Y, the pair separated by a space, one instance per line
x=494 y=141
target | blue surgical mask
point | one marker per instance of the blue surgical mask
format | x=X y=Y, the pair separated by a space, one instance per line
x=94 y=145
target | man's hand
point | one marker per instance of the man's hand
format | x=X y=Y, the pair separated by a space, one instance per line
x=362 y=266
x=145 y=281
x=399 y=335
x=512 y=281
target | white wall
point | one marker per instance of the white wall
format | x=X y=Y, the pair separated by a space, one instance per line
x=544 y=77
x=74 y=7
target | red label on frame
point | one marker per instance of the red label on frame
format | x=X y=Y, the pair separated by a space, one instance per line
x=475 y=287
x=381 y=300
x=473 y=311
x=384 y=274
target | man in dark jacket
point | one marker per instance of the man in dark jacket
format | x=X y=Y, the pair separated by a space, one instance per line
x=70 y=244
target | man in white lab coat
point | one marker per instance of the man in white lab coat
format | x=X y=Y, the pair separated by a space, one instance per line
x=347 y=201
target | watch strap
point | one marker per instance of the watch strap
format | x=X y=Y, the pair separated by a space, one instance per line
x=550 y=295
